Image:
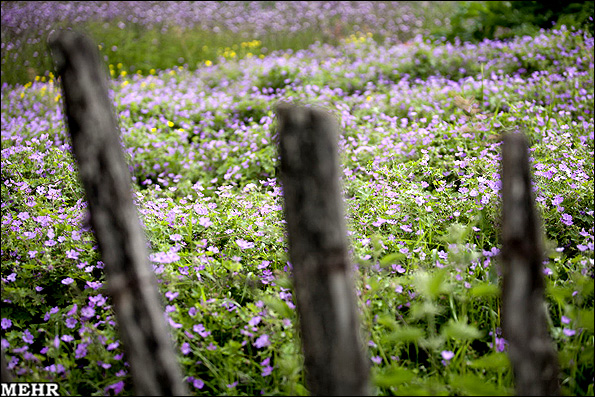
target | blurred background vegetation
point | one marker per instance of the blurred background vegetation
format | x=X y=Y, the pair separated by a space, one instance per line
x=478 y=20
x=143 y=50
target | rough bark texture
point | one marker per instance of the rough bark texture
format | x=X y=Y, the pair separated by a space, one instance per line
x=6 y=376
x=335 y=361
x=104 y=174
x=531 y=350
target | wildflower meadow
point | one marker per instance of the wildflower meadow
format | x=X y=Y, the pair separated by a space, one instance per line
x=195 y=86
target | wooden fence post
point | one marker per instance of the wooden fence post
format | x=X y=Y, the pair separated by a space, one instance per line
x=6 y=375
x=531 y=350
x=335 y=361
x=104 y=174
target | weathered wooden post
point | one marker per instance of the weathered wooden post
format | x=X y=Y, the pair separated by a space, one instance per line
x=6 y=376
x=335 y=361
x=531 y=350
x=104 y=174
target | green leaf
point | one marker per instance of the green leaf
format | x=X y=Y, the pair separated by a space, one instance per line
x=473 y=385
x=393 y=377
x=418 y=310
x=485 y=290
x=432 y=342
x=284 y=282
x=404 y=334
x=377 y=244
x=586 y=319
x=431 y=285
x=456 y=233
x=388 y=321
x=395 y=257
x=279 y=306
x=232 y=266
x=559 y=294
x=491 y=361
x=460 y=330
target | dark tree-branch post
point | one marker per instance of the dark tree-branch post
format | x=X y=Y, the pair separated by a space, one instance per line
x=531 y=350
x=335 y=361
x=106 y=180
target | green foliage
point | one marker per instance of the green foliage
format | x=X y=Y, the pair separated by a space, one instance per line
x=421 y=126
x=478 y=20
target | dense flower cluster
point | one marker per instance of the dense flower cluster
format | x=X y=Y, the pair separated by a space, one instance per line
x=250 y=19
x=202 y=26
x=420 y=164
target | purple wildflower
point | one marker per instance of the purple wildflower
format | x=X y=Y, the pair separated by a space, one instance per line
x=171 y=295
x=204 y=221
x=116 y=387
x=266 y=371
x=406 y=228
x=569 y=332
x=173 y=323
x=6 y=323
x=500 y=344
x=243 y=244
x=53 y=310
x=73 y=310
x=566 y=219
x=447 y=355
x=164 y=257
x=94 y=284
x=72 y=254
x=67 y=338
x=200 y=329
x=23 y=215
x=113 y=345
x=262 y=341
x=27 y=337
x=71 y=322
x=87 y=312
x=81 y=350
x=198 y=383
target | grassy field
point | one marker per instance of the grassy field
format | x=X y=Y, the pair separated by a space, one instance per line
x=195 y=95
